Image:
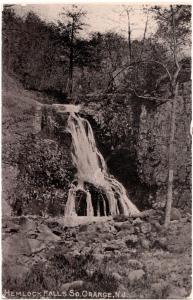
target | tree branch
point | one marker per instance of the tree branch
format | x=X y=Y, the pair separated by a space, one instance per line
x=150 y=98
x=131 y=65
x=144 y=35
x=174 y=39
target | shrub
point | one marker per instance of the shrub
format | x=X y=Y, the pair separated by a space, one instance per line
x=45 y=172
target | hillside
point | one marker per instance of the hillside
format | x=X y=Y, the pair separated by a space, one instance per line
x=18 y=108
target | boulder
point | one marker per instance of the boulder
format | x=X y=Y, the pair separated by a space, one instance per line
x=145 y=227
x=135 y=275
x=145 y=244
x=36 y=245
x=137 y=221
x=46 y=235
x=122 y=234
x=127 y=226
x=28 y=226
x=175 y=214
x=15 y=246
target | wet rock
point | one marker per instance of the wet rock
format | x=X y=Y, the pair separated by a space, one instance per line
x=135 y=275
x=72 y=285
x=175 y=214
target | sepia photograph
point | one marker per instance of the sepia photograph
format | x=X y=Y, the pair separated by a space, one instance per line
x=96 y=150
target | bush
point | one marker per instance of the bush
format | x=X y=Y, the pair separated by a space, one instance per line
x=45 y=173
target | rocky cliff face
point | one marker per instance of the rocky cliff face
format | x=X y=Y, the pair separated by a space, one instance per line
x=133 y=136
x=140 y=158
x=45 y=165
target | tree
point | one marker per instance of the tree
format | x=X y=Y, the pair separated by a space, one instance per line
x=174 y=32
x=127 y=10
x=74 y=24
x=174 y=29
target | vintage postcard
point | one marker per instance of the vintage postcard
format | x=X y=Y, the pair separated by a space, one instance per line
x=96 y=150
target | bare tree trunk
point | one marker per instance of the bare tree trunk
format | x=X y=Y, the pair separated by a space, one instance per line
x=171 y=160
x=144 y=36
x=174 y=85
x=129 y=38
x=71 y=64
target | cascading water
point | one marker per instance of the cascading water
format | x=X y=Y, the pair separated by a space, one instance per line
x=92 y=169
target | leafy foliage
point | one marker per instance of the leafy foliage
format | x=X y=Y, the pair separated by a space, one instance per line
x=96 y=60
x=45 y=172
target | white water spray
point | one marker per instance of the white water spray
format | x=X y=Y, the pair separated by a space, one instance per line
x=91 y=168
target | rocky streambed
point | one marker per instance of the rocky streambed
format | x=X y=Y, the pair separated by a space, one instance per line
x=121 y=257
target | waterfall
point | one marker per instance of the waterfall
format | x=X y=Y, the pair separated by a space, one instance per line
x=91 y=169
